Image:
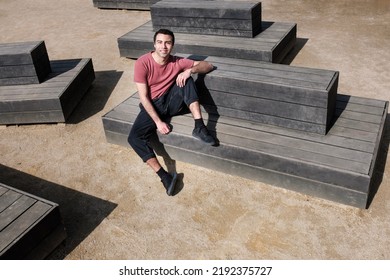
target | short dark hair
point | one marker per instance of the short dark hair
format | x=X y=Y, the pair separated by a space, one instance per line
x=165 y=32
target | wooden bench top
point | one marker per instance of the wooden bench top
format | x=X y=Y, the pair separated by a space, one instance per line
x=27 y=223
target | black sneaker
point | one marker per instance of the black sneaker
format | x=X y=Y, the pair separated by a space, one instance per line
x=203 y=134
x=169 y=183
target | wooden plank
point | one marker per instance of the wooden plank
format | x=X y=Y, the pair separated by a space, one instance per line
x=262 y=47
x=124 y=4
x=13 y=211
x=7 y=199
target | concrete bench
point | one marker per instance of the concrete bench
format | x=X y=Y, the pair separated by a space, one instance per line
x=51 y=101
x=124 y=4
x=226 y=18
x=30 y=227
x=293 y=97
x=23 y=63
x=271 y=45
x=338 y=166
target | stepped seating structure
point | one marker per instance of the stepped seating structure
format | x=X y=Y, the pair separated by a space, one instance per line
x=283 y=125
x=36 y=90
x=124 y=4
x=30 y=227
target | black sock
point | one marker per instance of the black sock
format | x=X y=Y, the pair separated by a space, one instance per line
x=199 y=123
x=162 y=173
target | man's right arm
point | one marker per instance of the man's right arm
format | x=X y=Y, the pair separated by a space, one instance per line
x=143 y=92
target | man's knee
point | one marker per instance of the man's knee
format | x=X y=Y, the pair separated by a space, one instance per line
x=132 y=138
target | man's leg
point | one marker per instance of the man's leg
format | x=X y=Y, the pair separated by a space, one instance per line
x=139 y=137
x=189 y=95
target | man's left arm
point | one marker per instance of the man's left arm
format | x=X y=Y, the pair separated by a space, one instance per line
x=199 y=67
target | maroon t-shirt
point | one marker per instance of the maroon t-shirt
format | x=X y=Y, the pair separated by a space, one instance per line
x=158 y=77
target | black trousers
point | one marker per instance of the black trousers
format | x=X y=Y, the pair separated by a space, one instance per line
x=167 y=106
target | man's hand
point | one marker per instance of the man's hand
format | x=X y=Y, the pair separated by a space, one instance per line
x=182 y=78
x=163 y=127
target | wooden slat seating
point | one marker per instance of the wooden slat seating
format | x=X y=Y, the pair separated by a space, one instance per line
x=272 y=44
x=124 y=4
x=30 y=227
x=226 y=18
x=278 y=124
x=23 y=63
x=51 y=101
x=282 y=95
x=337 y=166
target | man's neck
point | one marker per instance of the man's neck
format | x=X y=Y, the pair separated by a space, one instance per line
x=160 y=60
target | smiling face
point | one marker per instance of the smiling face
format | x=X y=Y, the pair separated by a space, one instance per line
x=163 y=45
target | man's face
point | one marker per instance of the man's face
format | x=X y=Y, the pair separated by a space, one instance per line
x=163 y=45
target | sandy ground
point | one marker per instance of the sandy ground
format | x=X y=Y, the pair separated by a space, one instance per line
x=115 y=208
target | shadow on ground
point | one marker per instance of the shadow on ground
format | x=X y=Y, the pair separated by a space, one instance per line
x=81 y=212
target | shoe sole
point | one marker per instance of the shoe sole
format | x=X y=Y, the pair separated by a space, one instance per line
x=171 y=187
x=198 y=138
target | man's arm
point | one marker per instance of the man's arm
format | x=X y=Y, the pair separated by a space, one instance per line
x=143 y=92
x=200 y=67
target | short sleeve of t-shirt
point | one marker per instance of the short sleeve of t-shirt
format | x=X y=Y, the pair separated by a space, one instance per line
x=159 y=78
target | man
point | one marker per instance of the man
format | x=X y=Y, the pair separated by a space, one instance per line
x=165 y=87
